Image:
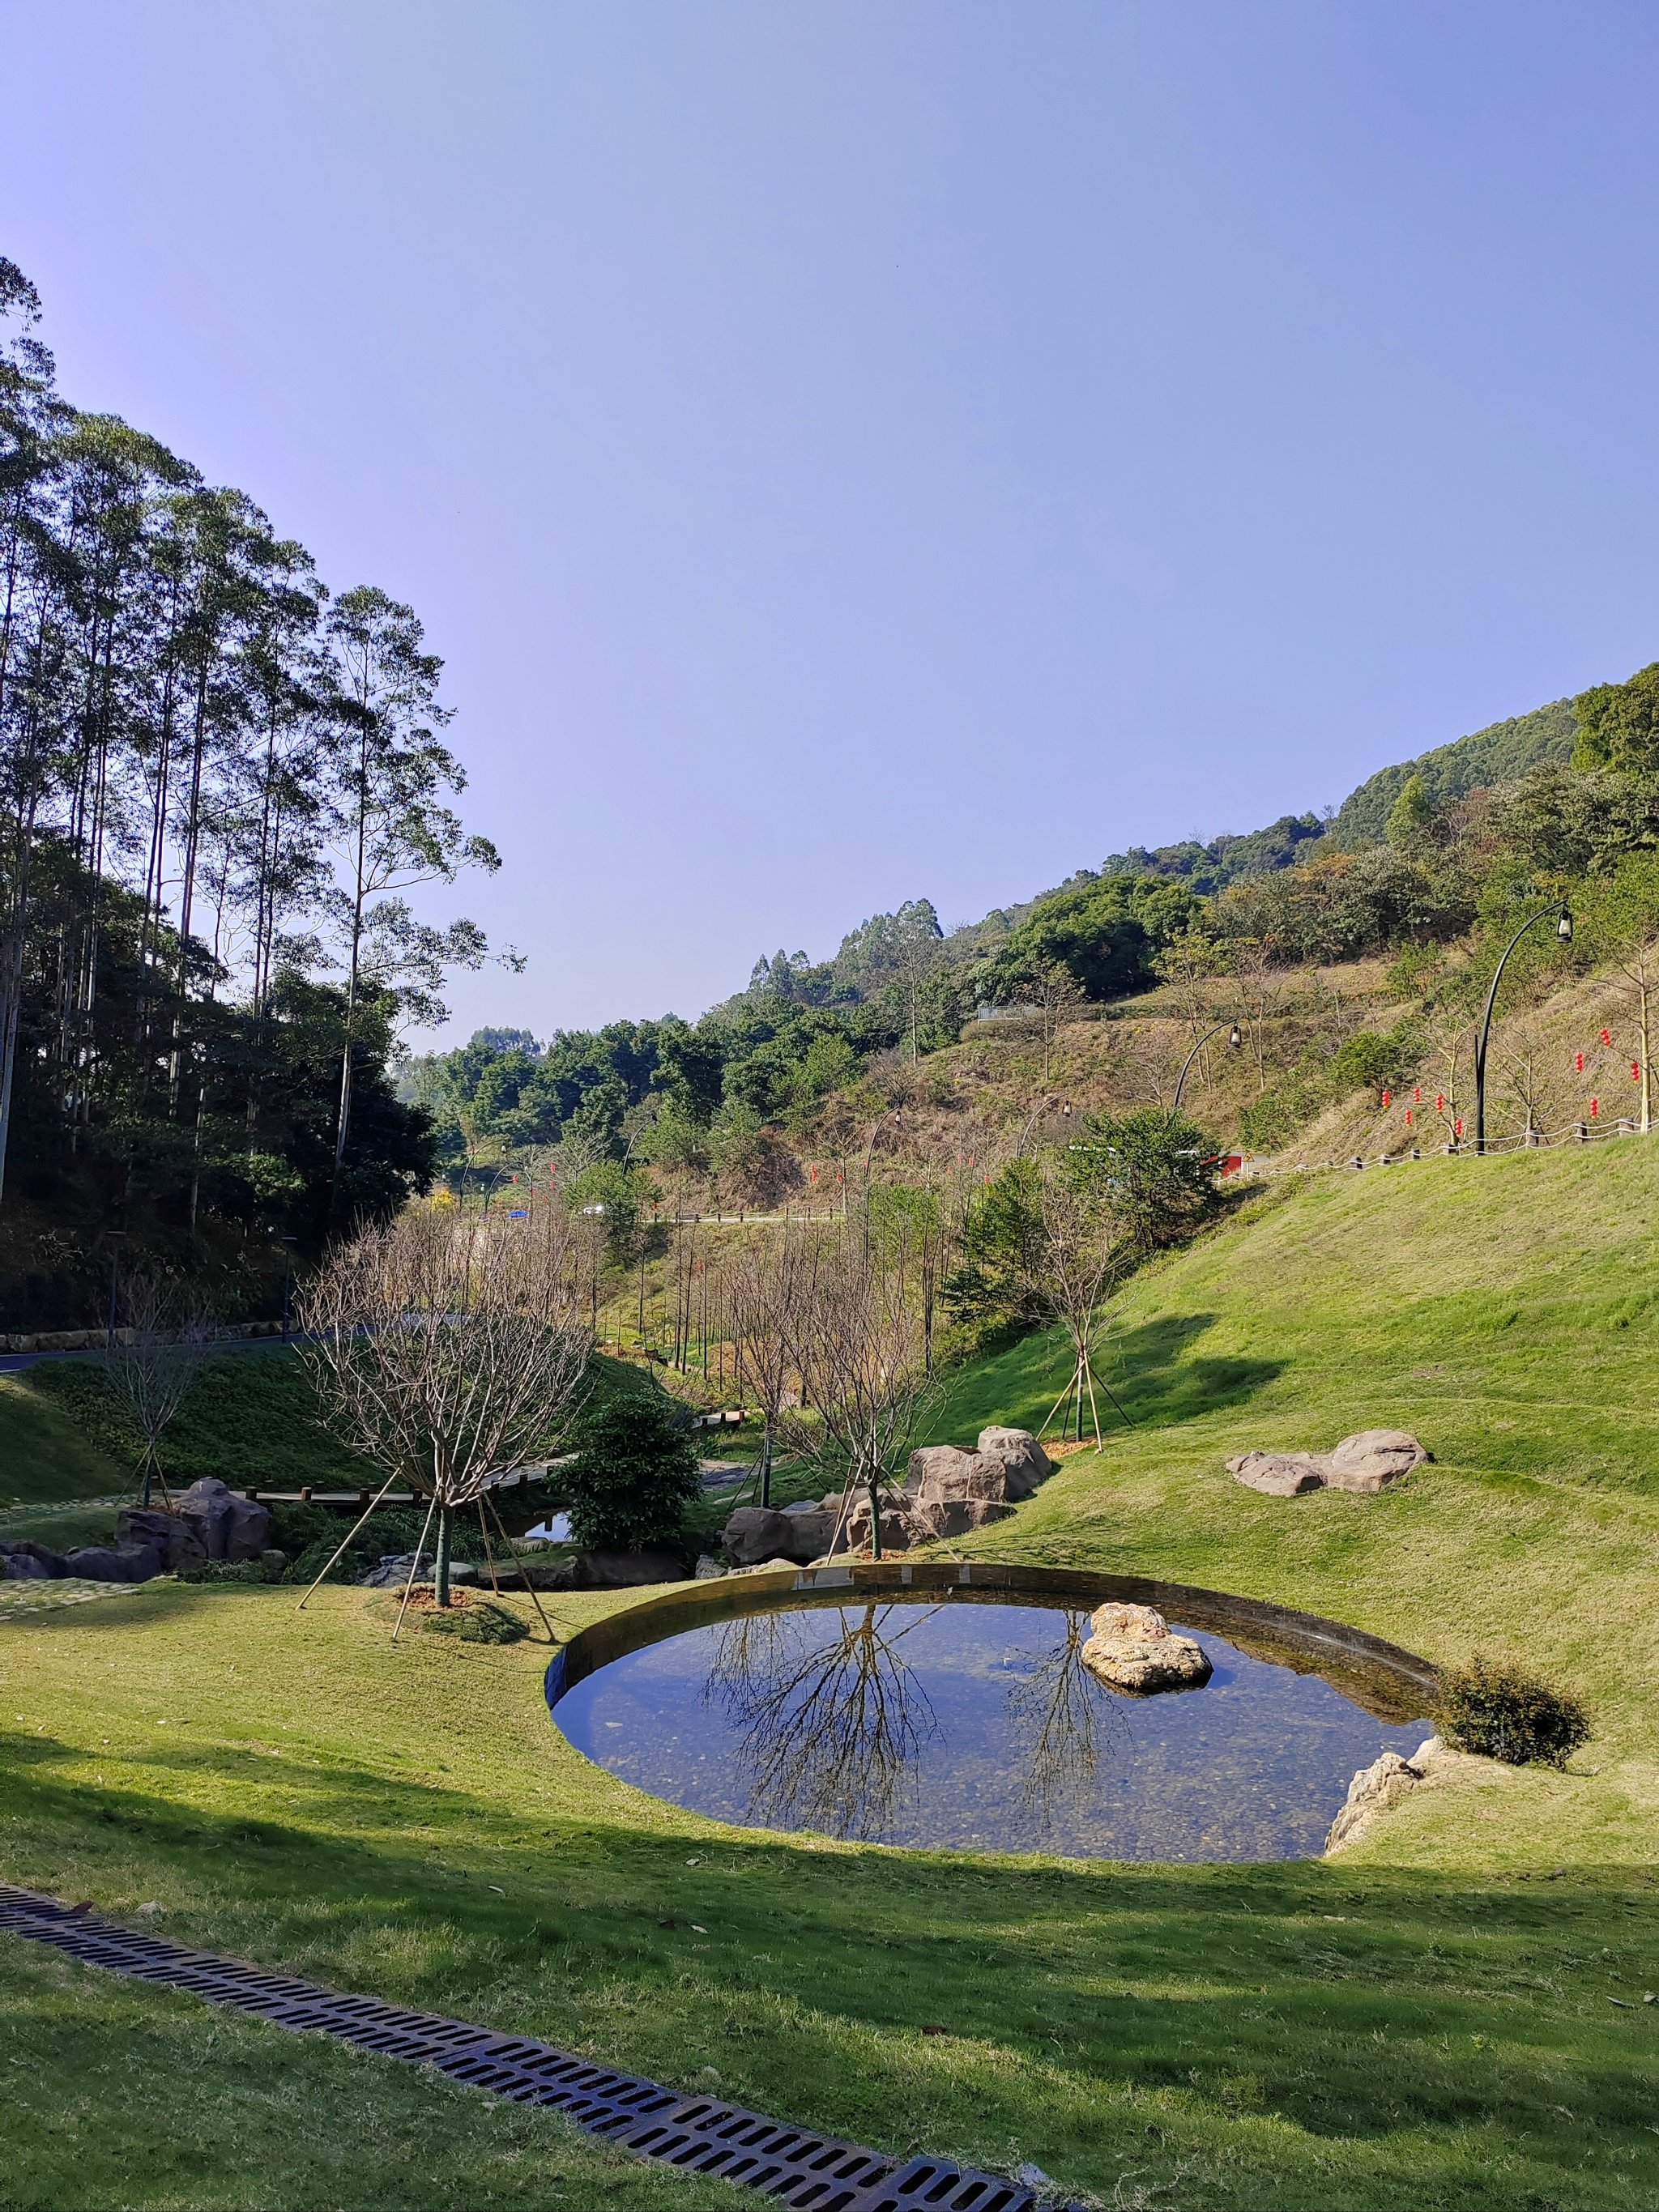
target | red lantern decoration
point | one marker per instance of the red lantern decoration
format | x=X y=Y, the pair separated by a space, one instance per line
x=1596 y=1108
x=1636 y=1071
x=1408 y=1117
x=1386 y=1095
x=1606 y=1038
x=1417 y=1094
x=1439 y=1102
x=1457 y=1126
x=1579 y=1062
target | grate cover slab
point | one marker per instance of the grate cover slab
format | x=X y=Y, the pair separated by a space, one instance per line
x=797 y=2169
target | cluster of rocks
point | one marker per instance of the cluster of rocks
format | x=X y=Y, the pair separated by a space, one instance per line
x=1366 y=1463
x=209 y=1523
x=947 y=1491
x=1133 y=1649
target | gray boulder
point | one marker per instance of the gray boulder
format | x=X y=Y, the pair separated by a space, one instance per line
x=50 y=1563
x=935 y=1520
x=1021 y=1457
x=97 y=1563
x=176 y=1541
x=897 y=1528
x=19 y=1567
x=230 y=1526
x=756 y=1533
x=1277 y=1475
x=942 y=1471
x=1372 y=1460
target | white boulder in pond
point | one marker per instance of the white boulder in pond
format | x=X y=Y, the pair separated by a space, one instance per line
x=1133 y=1649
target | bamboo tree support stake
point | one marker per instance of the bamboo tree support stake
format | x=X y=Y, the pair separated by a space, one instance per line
x=535 y=1594
x=415 y=1568
x=489 y=1556
x=385 y=1487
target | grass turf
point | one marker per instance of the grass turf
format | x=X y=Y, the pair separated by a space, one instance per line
x=1449 y=2015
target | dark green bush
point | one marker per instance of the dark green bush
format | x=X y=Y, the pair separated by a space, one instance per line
x=1502 y=1713
x=478 y=1623
x=633 y=1474
x=230 y=1570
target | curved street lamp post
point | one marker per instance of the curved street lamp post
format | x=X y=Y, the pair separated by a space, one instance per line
x=1235 y=1040
x=1564 y=933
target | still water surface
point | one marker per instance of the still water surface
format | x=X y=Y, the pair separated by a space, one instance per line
x=976 y=1727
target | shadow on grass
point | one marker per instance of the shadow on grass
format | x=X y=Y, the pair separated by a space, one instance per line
x=1363 y=2005
x=1160 y=1382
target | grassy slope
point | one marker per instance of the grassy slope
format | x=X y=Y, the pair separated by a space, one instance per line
x=44 y=1456
x=1427 y=2021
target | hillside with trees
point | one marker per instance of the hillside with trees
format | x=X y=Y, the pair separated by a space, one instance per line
x=219 y=783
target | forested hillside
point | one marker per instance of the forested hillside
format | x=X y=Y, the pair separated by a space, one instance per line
x=1351 y=949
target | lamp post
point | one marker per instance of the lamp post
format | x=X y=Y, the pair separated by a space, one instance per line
x=1564 y=933
x=1235 y=1040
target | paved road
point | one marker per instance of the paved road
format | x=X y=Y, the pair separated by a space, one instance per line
x=12 y=1362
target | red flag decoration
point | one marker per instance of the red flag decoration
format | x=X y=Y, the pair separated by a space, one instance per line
x=1606 y=1038
x=1596 y=1108
x=1579 y=1062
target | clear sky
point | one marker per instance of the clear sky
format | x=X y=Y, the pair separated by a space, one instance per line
x=851 y=450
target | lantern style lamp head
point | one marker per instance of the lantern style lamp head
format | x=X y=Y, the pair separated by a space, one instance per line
x=1234 y=1038
x=1564 y=927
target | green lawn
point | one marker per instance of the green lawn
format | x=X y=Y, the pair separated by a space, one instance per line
x=1451 y=2015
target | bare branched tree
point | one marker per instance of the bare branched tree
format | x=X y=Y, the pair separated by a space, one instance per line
x=857 y=1341
x=762 y=1288
x=154 y=1361
x=447 y=1347
x=1084 y=1250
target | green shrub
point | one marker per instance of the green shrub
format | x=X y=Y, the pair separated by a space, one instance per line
x=633 y=1474
x=230 y=1570
x=479 y=1623
x=1502 y=1713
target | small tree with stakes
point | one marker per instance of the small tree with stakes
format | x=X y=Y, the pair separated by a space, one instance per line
x=449 y=1347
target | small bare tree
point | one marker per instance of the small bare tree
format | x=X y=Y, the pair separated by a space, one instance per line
x=1084 y=1250
x=447 y=1347
x=857 y=1341
x=154 y=1363
x=762 y=1288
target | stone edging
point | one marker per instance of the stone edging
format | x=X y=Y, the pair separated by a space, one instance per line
x=94 y=1339
x=1383 y=1677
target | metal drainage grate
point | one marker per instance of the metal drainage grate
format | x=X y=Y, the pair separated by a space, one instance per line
x=699 y=2135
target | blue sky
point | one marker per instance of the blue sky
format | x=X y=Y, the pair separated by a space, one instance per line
x=850 y=452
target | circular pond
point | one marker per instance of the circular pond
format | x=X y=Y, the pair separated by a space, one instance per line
x=964 y=1718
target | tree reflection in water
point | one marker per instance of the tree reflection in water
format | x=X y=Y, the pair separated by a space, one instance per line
x=1067 y=1723
x=832 y=1722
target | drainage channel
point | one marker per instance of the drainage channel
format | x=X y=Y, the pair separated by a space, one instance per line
x=807 y=2172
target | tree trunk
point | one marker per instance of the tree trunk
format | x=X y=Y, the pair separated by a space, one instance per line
x=875 y=1520
x=766 y=1464
x=441 y=1567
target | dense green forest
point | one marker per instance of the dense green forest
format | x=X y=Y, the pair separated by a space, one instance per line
x=218 y=784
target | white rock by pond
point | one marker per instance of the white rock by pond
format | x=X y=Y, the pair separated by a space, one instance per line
x=1365 y=1462
x=1133 y=1648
